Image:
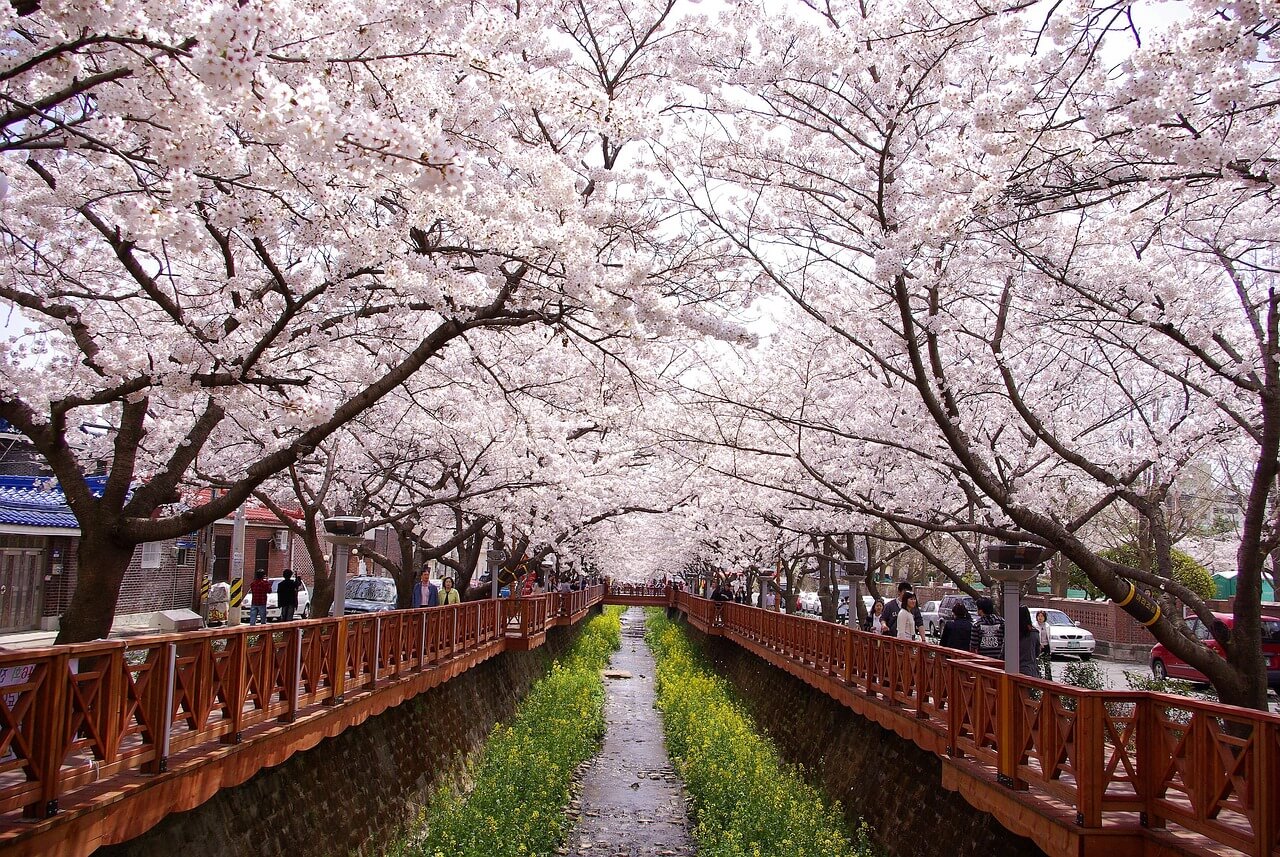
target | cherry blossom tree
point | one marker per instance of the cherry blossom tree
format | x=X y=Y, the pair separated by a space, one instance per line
x=236 y=227
x=1047 y=230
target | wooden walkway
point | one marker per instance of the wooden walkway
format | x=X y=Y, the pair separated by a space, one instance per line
x=100 y=741
x=1079 y=772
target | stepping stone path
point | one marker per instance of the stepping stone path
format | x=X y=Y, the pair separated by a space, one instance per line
x=630 y=802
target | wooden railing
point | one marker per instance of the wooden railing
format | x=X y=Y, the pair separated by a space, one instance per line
x=1138 y=758
x=572 y=603
x=637 y=590
x=80 y=714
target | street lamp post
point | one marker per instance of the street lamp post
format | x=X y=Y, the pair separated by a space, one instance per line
x=1013 y=564
x=495 y=557
x=344 y=533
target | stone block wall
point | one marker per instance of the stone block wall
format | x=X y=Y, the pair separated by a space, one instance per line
x=359 y=791
x=878 y=777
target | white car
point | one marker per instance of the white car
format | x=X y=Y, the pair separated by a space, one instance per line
x=932 y=618
x=1065 y=636
x=809 y=602
x=273 y=603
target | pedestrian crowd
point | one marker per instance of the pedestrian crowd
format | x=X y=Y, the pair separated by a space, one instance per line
x=984 y=634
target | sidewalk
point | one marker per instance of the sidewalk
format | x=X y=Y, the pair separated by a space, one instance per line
x=125 y=625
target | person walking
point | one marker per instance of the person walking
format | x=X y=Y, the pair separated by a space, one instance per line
x=958 y=630
x=287 y=595
x=906 y=619
x=449 y=595
x=1028 y=645
x=987 y=637
x=1046 y=652
x=892 y=606
x=875 y=623
x=258 y=592
x=425 y=593
x=719 y=597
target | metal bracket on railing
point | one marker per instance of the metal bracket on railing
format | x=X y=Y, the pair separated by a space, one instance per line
x=166 y=724
x=51 y=808
x=422 y=645
x=1142 y=819
x=1007 y=781
x=1080 y=819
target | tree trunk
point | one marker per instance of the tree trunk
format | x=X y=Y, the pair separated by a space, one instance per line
x=406 y=573
x=322 y=583
x=102 y=564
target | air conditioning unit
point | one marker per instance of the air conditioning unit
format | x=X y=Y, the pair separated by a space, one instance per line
x=282 y=540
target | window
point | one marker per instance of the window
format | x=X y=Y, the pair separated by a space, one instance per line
x=151 y=554
x=186 y=556
x=262 y=555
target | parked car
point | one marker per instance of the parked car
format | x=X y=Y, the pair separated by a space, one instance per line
x=1165 y=664
x=273 y=606
x=1066 y=637
x=948 y=604
x=809 y=602
x=370 y=594
x=932 y=618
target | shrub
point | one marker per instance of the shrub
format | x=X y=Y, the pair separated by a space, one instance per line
x=1084 y=674
x=524 y=777
x=1186 y=571
x=746 y=801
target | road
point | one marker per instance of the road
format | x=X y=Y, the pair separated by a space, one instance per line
x=1113 y=674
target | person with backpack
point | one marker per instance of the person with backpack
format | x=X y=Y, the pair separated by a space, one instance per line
x=988 y=632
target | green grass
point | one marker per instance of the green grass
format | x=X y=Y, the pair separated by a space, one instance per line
x=747 y=802
x=524 y=777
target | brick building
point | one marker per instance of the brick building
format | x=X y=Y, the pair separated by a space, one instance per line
x=39 y=540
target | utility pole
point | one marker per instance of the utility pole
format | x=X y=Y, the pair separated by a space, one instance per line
x=237 y=567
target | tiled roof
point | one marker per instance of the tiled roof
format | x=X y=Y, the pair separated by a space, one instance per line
x=254 y=511
x=38 y=501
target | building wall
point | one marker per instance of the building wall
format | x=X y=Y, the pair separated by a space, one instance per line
x=359 y=791
x=878 y=777
x=171 y=586
x=63 y=569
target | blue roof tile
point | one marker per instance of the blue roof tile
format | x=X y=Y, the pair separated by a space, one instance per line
x=38 y=501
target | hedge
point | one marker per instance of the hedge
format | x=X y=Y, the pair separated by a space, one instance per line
x=747 y=802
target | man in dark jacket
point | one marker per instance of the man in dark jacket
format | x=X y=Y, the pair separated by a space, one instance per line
x=957 y=633
x=893 y=605
x=987 y=637
x=287 y=595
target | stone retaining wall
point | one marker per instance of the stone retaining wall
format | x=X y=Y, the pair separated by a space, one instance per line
x=356 y=792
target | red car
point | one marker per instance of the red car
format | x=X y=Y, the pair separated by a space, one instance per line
x=1165 y=664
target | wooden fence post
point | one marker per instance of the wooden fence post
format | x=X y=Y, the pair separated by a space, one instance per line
x=339 y=663
x=1008 y=714
x=49 y=739
x=1265 y=786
